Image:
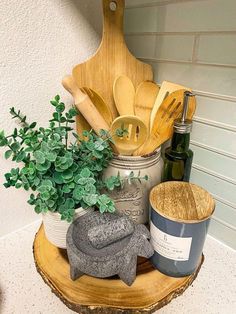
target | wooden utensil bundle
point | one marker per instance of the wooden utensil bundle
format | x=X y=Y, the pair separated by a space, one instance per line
x=147 y=114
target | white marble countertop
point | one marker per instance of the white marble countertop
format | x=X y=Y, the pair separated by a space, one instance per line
x=23 y=291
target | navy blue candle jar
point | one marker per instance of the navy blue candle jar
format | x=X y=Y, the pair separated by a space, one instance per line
x=180 y=216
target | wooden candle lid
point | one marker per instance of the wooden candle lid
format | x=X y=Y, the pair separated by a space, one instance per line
x=182 y=201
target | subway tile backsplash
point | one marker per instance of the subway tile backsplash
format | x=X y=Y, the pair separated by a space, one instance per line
x=217 y=48
x=193 y=43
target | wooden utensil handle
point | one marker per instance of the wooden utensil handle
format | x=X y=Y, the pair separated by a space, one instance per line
x=113 y=19
x=85 y=105
x=91 y=114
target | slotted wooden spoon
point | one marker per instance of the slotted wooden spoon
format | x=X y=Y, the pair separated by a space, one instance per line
x=144 y=101
x=137 y=134
x=162 y=129
x=165 y=90
x=124 y=94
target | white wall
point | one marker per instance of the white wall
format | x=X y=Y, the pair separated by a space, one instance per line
x=193 y=43
x=41 y=41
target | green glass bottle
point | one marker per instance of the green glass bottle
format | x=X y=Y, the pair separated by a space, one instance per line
x=178 y=157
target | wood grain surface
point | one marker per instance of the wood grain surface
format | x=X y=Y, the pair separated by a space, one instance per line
x=145 y=97
x=150 y=291
x=182 y=201
x=112 y=59
x=162 y=129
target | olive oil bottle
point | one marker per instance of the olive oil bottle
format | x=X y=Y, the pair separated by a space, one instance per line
x=178 y=157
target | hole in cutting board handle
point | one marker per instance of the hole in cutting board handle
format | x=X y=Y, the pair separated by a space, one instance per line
x=113 y=6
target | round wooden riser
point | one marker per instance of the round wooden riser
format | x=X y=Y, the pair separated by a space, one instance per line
x=150 y=291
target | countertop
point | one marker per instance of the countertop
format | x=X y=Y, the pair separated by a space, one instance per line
x=23 y=291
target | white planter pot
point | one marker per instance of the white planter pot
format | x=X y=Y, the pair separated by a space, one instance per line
x=56 y=229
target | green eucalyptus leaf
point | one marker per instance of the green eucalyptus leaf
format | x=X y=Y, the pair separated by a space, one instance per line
x=90 y=199
x=33 y=125
x=54 y=102
x=50 y=203
x=90 y=188
x=60 y=107
x=66 y=189
x=15 y=146
x=20 y=156
x=73 y=112
x=51 y=156
x=82 y=181
x=57 y=98
x=8 y=154
x=45 y=196
x=39 y=157
x=36 y=181
x=37 y=209
x=78 y=193
x=56 y=116
x=18 y=185
x=99 y=144
x=43 y=167
x=85 y=173
x=70 y=203
x=58 y=178
x=67 y=174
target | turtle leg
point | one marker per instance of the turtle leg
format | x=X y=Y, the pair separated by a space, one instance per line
x=128 y=271
x=75 y=273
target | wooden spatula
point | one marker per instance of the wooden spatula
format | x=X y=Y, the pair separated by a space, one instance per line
x=124 y=93
x=111 y=59
x=84 y=105
x=162 y=129
x=100 y=104
x=145 y=97
x=165 y=90
x=137 y=134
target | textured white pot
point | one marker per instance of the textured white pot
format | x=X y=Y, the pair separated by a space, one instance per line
x=56 y=229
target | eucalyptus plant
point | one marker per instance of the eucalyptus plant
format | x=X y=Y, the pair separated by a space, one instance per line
x=61 y=175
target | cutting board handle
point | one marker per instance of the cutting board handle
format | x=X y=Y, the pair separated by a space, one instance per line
x=113 y=13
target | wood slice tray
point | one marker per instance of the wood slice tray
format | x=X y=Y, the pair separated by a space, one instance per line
x=150 y=291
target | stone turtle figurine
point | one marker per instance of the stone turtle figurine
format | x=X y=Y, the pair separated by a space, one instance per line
x=108 y=257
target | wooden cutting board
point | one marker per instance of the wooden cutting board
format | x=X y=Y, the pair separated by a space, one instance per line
x=112 y=58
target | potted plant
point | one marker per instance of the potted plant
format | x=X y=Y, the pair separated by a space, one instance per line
x=65 y=177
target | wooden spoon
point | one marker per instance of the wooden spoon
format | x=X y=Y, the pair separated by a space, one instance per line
x=165 y=90
x=100 y=104
x=124 y=93
x=137 y=135
x=162 y=129
x=144 y=101
x=85 y=105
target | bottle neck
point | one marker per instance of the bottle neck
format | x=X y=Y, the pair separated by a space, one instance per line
x=180 y=142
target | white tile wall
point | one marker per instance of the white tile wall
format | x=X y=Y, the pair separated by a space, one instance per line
x=217 y=48
x=211 y=109
x=195 y=44
x=143 y=46
x=177 y=47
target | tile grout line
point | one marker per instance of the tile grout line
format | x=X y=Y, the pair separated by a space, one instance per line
x=195 y=48
x=224 y=223
x=220 y=65
x=215 y=124
x=190 y=33
x=157 y=4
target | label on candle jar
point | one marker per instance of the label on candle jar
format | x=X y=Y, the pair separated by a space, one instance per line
x=169 y=246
